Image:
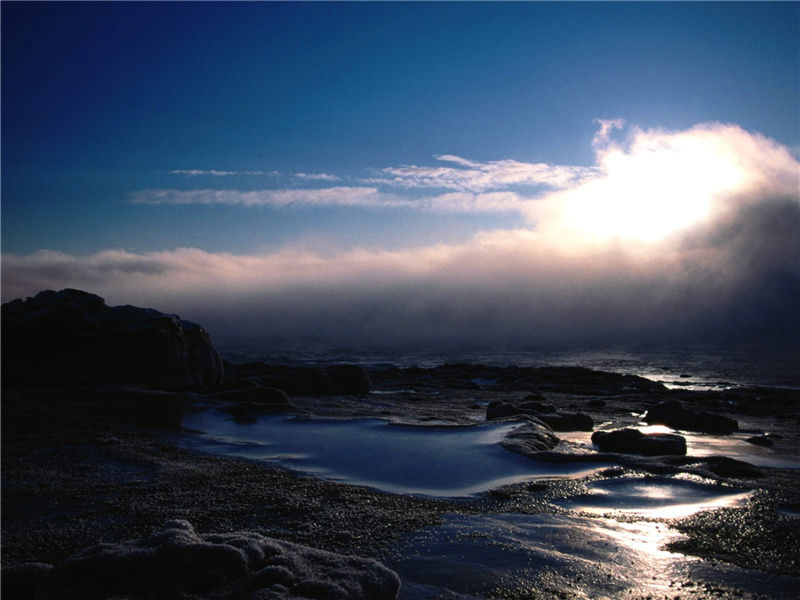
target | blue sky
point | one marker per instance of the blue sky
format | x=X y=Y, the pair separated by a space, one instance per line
x=103 y=100
x=254 y=130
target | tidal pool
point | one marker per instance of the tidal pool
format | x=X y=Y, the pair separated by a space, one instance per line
x=425 y=460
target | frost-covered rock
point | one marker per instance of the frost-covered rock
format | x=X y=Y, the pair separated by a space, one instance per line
x=178 y=562
x=72 y=337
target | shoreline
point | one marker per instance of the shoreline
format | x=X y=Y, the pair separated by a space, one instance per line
x=74 y=475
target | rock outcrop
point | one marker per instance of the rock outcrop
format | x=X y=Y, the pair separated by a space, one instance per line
x=72 y=337
x=543 y=412
x=301 y=381
x=633 y=441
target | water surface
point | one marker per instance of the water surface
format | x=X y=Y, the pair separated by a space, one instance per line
x=433 y=461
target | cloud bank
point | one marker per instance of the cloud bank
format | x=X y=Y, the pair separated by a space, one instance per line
x=673 y=237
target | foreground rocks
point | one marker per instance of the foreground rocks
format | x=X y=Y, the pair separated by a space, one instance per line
x=543 y=412
x=633 y=441
x=674 y=414
x=177 y=560
x=72 y=337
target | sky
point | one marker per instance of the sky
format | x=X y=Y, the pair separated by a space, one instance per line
x=411 y=174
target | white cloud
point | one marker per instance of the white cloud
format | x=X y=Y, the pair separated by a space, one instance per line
x=317 y=177
x=213 y=173
x=367 y=197
x=481 y=177
x=340 y=196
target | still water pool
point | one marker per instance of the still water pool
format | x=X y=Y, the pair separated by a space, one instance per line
x=425 y=460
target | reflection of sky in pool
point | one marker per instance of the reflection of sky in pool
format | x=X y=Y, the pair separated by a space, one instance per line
x=664 y=497
x=435 y=461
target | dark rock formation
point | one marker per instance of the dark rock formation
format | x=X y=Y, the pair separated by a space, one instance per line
x=543 y=412
x=254 y=395
x=568 y=421
x=633 y=441
x=72 y=337
x=177 y=561
x=759 y=440
x=674 y=414
x=305 y=381
x=730 y=467
x=531 y=438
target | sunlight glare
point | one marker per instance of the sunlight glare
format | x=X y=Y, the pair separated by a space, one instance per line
x=652 y=191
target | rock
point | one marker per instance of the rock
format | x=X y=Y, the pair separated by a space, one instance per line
x=558 y=422
x=72 y=337
x=532 y=437
x=597 y=403
x=674 y=414
x=500 y=410
x=247 y=410
x=538 y=407
x=568 y=421
x=347 y=379
x=177 y=561
x=307 y=381
x=759 y=440
x=633 y=441
x=21 y=581
x=729 y=467
x=150 y=408
x=257 y=395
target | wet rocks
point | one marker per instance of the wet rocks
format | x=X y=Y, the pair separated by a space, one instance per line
x=177 y=560
x=256 y=395
x=303 y=381
x=568 y=421
x=72 y=337
x=760 y=440
x=530 y=438
x=633 y=441
x=544 y=412
x=674 y=414
x=730 y=467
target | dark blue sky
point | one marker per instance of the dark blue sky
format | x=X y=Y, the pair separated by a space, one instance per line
x=103 y=100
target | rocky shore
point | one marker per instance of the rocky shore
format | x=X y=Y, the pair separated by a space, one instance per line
x=101 y=498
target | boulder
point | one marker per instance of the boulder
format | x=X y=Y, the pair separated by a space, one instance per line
x=72 y=337
x=674 y=414
x=568 y=421
x=633 y=441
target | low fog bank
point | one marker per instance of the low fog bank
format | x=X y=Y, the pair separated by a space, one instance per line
x=736 y=282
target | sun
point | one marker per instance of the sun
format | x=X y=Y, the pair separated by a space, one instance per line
x=651 y=191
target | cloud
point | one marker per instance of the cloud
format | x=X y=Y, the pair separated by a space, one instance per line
x=196 y=172
x=317 y=176
x=480 y=177
x=341 y=196
x=687 y=236
x=456 y=202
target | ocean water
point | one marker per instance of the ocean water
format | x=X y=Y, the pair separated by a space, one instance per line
x=694 y=368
